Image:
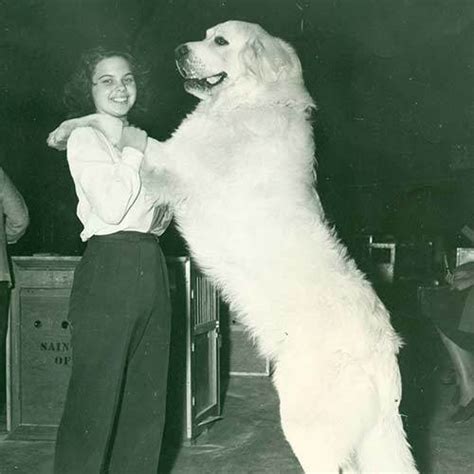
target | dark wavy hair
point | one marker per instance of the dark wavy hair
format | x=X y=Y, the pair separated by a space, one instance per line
x=78 y=90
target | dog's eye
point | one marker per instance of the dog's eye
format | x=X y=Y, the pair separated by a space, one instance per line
x=221 y=41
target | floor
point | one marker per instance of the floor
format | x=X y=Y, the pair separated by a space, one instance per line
x=249 y=439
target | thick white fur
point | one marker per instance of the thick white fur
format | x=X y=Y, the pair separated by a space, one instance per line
x=239 y=173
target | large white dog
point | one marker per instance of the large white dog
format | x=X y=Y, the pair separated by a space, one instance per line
x=239 y=174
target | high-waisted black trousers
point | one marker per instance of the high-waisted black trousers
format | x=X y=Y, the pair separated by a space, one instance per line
x=120 y=317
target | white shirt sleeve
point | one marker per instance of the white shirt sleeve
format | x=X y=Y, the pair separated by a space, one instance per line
x=14 y=209
x=109 y=180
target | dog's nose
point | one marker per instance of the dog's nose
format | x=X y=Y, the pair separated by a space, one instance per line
x=181 y=51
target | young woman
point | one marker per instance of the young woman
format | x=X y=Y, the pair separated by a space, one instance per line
x=119 y=308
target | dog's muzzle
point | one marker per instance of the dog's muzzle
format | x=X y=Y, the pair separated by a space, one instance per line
x=181 y=52
x=184 y=65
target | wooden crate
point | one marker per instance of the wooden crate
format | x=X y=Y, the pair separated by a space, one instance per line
x=39 y=354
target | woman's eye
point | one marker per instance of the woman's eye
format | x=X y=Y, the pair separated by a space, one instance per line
x=106 y=82
x=221 y=41
x=129 y=80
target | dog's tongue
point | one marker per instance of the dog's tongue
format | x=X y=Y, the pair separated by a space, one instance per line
x=213 y=80
x=206 y=82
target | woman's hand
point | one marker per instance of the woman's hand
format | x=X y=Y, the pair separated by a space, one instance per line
x=133 y=137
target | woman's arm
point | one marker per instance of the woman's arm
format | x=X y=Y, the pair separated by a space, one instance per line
x=110 y=185
x=110 y=126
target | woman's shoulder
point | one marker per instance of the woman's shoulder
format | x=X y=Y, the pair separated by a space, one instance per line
x=83 y=133
x=102 y=126
x=88 y=143
x=87 y=137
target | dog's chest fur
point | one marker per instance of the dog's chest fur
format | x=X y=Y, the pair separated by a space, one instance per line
x=252 y=219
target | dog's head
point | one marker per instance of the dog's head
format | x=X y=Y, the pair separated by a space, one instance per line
x=232 y=51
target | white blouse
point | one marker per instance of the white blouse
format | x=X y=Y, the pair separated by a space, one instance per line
x=108 y=186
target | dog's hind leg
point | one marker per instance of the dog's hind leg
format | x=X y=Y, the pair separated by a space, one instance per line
x=385 y=449
x=324 y=423
x=313 y=448
x=321 y=443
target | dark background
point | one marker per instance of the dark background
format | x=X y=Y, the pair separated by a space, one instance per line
x=393 y=80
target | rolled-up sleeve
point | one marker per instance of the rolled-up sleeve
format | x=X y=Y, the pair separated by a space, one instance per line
x=110 y=186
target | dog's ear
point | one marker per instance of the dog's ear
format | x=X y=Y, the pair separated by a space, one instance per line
x=271 y=59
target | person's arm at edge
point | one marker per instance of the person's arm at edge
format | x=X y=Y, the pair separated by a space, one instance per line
x=15 y=210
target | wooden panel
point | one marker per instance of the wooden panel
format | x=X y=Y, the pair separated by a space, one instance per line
x=204 y=360
x=40 y=353
x=45 y=354
x=205 y=349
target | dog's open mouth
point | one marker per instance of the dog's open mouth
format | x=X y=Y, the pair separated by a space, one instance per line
x=205 y=82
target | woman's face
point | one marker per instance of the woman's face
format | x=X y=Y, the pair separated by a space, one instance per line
x=113 y=87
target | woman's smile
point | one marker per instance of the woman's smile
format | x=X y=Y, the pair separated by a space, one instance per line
x=113 y=87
